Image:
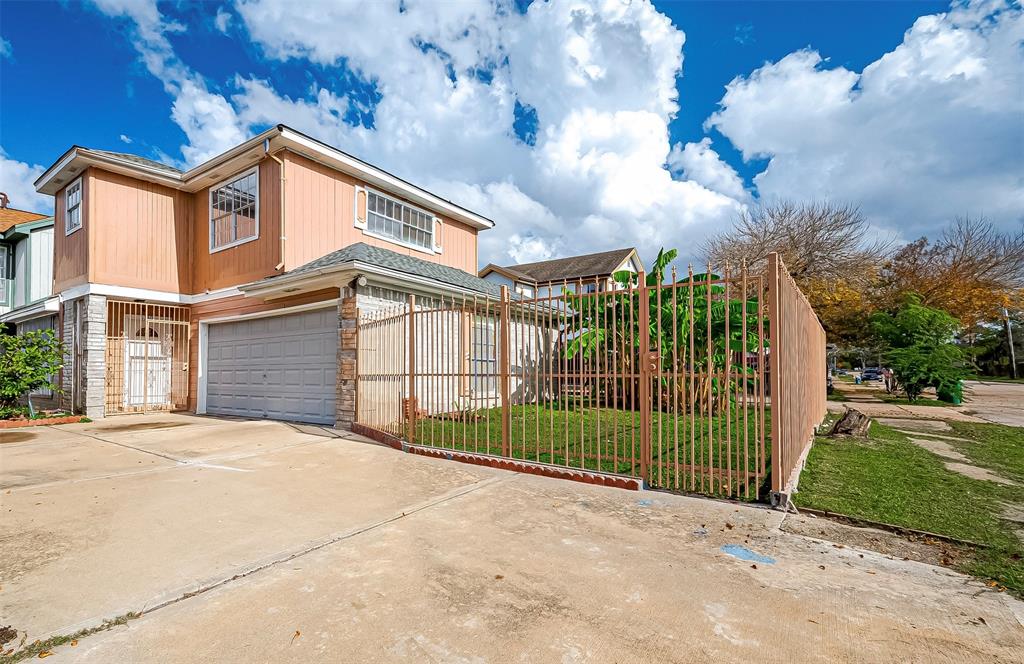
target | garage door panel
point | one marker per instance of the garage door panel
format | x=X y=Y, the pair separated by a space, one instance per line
x=283 y=367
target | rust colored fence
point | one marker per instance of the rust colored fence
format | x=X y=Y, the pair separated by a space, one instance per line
x=147 y=357
x=797 y=376
x=663 y=378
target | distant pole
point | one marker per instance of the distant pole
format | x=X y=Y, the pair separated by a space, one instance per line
x=1009 y=342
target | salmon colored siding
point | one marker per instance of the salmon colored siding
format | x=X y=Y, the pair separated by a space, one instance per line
x=246 y=262
x=140 y=233
x=236 y=306
x=71 y=252
x=320 y=218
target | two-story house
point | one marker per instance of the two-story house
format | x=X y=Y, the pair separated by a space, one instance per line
x=232 y=288
x=588 y=273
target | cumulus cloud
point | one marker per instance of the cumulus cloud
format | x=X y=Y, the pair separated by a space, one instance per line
x=700 y=163
x=16 y=178
x=600 y=75
x=6 y=50
x=926 y=132
x=222 y=20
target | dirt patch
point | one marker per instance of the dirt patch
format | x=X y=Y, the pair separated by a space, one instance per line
x=914 y=424
x=17 y=437
x=143 y=426
x=977 y=473
x=903 y=547
x=939 y=447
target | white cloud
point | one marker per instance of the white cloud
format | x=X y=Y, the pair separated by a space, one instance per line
x=928 y=131
x=125 y=139
x=6 y=50
x=700 y=163
x=222 y=20
x=16 y=178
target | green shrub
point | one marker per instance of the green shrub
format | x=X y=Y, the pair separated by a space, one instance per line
x=28 y=362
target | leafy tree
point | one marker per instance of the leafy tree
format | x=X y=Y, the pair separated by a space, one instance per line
x=921 y=352
x=28 y=362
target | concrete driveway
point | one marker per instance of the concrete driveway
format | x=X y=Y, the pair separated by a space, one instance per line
x=264 y=542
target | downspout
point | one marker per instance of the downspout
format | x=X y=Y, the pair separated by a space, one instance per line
x=266 y=150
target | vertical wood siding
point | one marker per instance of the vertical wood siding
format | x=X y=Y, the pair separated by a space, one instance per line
x=320 y=218
x=246 y=262
x=71 y=252
x=140 y=233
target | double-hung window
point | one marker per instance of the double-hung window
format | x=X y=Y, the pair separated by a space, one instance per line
x=484 y=356
x=392 y=220
x=73 y=207
x=234 y=210
x=6 y=277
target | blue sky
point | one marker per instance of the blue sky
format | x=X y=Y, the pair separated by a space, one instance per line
x=258 y=63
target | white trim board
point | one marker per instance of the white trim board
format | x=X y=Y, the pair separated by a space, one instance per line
x=145 y=294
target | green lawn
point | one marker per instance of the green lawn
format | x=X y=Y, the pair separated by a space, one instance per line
x=921 y=401
x=717 y=460
x=887 y=478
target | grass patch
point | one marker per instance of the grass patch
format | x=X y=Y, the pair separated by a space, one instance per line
x=994 y=446
x=43 y=649
x=888 y=479
x=697 y=455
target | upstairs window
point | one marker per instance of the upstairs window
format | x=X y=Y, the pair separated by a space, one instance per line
x=392 y=220
x=234 y=211
x=73 y=207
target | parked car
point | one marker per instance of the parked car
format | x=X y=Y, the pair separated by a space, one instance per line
x=871 y=373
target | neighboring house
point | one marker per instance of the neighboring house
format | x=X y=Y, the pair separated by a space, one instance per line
x=26 y=276
x=233 y=287
x=590 y=272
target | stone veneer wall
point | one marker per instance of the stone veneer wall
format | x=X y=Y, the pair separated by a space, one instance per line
x=346 y=396
x=90 y=393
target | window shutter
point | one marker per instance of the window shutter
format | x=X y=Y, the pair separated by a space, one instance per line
x=360 y=208
x=438 y=225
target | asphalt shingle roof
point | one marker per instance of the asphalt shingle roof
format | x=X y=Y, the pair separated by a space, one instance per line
x=365 y=253
x=141 y=161
x=12 y=217
x=572 y=267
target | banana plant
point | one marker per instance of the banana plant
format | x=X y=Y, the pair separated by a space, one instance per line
x=608 y=323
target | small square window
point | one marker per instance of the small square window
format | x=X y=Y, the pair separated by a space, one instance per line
x=234 y=211
x=73 y=207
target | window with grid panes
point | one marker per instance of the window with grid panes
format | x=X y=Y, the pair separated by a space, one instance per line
x=398 y=221
x=233 y=210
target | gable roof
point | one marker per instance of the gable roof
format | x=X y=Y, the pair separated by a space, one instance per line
x=566 y=269
x=354 y=255
x=11 y=217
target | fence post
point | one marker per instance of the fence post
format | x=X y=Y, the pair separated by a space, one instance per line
x=503 y=370
x=644 y=372
x=775 y=373
x=410 y=418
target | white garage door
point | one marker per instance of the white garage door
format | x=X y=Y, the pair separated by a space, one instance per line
x=281 y=367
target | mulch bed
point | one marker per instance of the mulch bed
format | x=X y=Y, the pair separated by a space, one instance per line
x=42 y=421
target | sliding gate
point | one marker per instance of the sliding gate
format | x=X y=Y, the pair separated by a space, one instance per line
x=666 y=377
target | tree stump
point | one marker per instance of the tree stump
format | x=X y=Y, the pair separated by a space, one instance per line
x=852 y=423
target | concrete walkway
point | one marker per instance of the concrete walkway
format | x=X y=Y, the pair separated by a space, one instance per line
x=259 y=542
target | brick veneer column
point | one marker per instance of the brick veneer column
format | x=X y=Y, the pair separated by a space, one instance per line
x=346 y=398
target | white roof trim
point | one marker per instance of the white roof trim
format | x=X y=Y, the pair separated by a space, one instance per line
x=38 y=309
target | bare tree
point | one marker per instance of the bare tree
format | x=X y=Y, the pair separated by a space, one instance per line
x=818 y=241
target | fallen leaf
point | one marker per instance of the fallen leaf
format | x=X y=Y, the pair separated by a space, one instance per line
x=296 y=635
x=729 y=526
x=43 y=654
x=821 y=567
x=753 y=567
x=74 y=642
x=870 y=571
x=499 y=577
